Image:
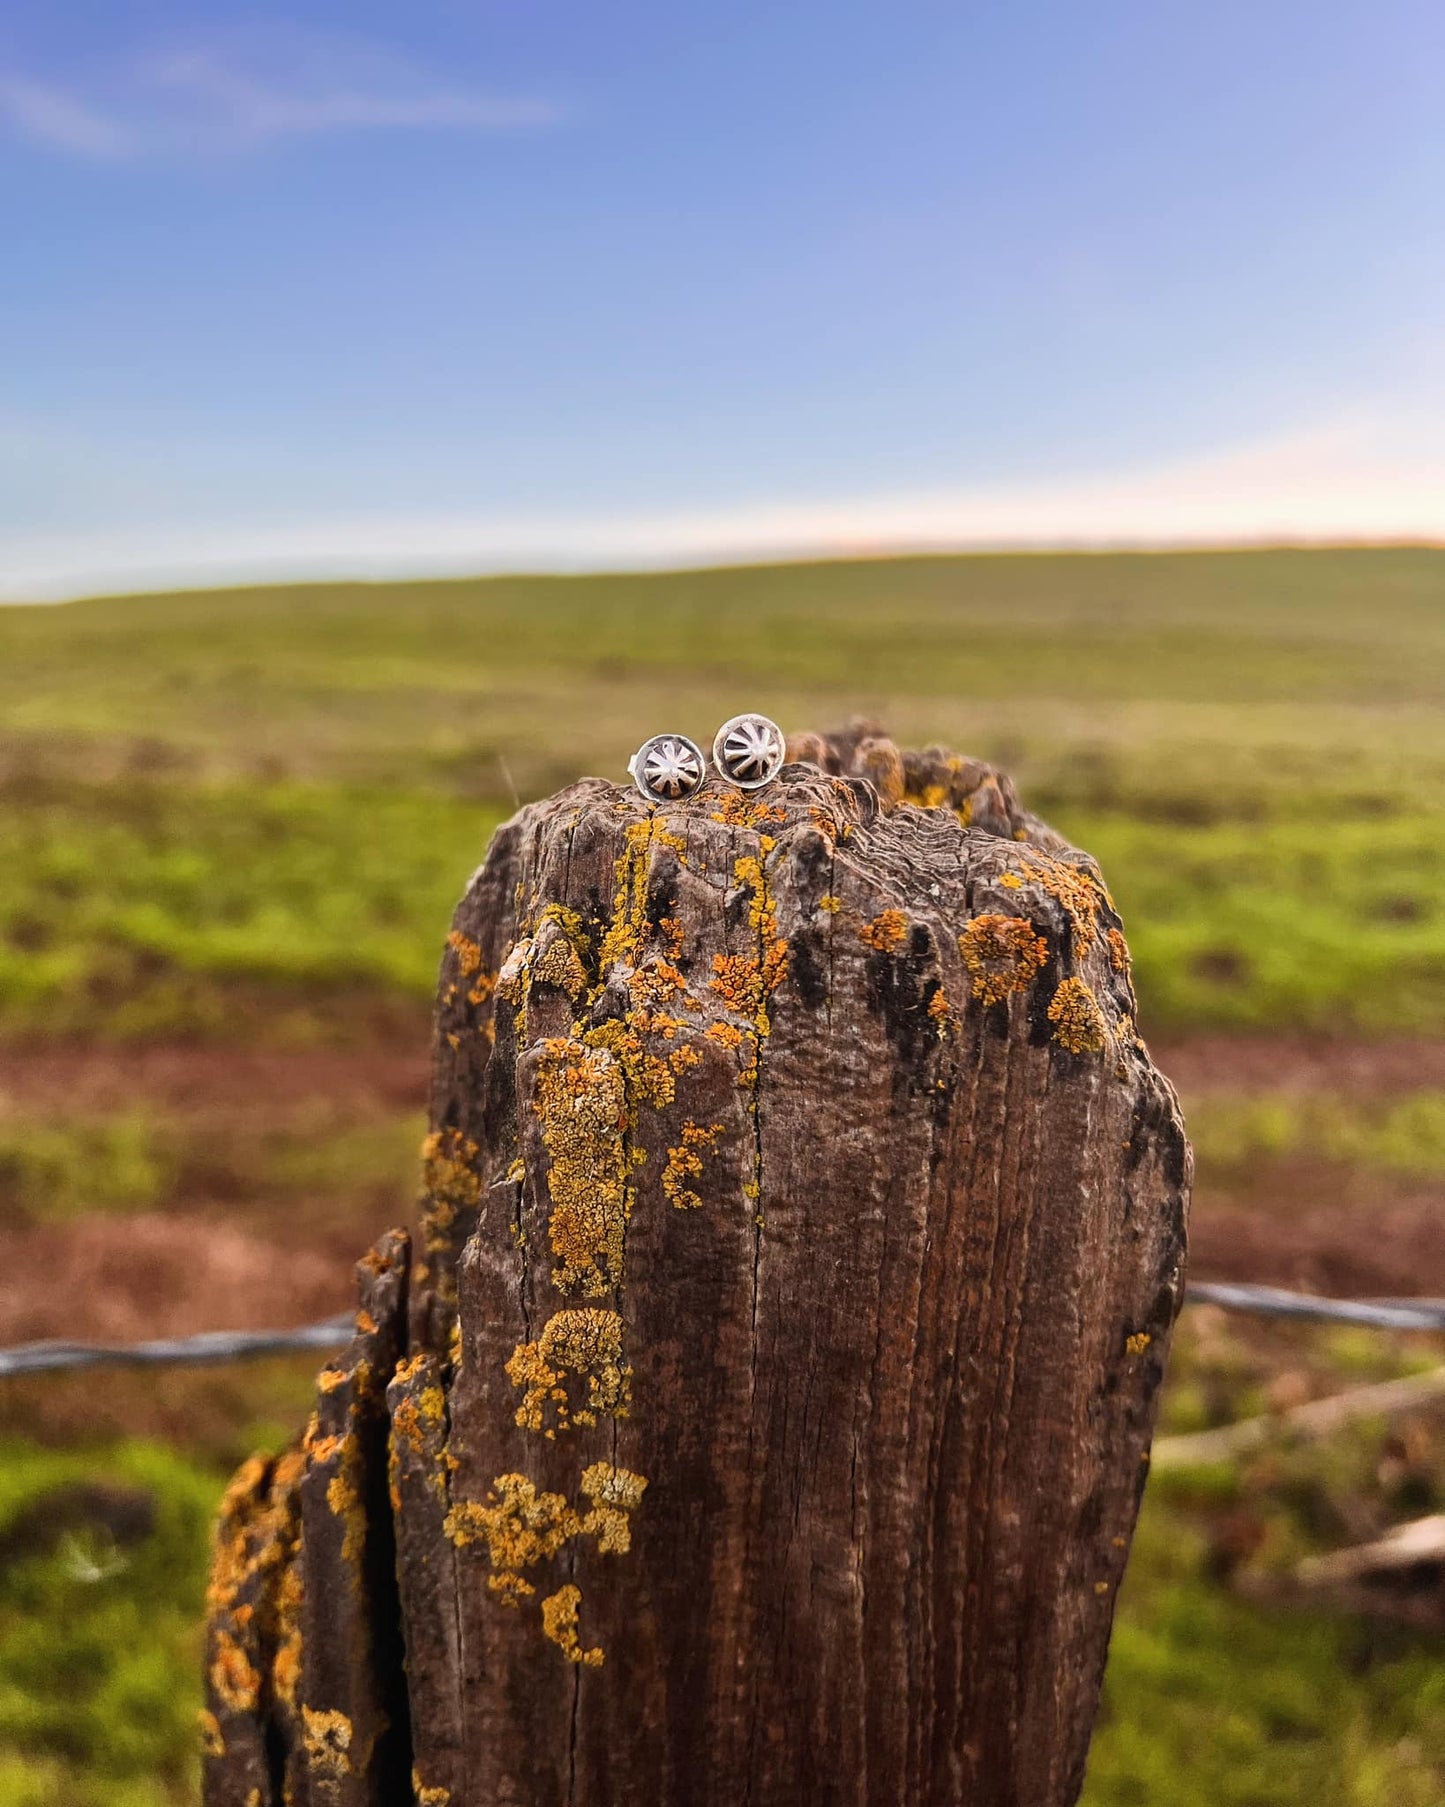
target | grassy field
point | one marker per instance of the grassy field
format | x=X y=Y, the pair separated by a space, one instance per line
x=232 y=828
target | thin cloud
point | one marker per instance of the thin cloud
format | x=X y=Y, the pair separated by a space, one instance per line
x=47 y=116
x=1353 y=479
x=230 y=98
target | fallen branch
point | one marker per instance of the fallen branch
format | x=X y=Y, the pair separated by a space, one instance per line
x=1300 y=1423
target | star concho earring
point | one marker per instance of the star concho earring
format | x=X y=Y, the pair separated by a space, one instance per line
x=667 y=768
x=749 y=751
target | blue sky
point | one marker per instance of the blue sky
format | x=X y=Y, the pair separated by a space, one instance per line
x=468 y=285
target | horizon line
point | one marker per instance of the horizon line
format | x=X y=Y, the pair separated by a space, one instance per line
x=1143 y=546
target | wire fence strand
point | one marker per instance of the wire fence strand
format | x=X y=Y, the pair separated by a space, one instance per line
x=214 y=1346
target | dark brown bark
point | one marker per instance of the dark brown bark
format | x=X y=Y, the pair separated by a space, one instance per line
x=802 y=1237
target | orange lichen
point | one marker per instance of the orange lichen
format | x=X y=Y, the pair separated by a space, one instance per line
x=726 y=1035
x=468 y=953
x=938 y=1009
x=1003 y=954
x=1118 y=952
x=1079 y=1023
x=737 y=810
x=582 y=1343
x=429 y=1797
x=234 y=1679
x=286 y=1663
x=887 y=930
x=1138 y=1342
x=212 y=1743
x=582 y=1106
x=327 y=1735
x=684 y=1163
x=1080 y=891
x=559 y=1623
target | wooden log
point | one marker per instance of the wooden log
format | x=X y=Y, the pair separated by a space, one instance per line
x=802 y=1235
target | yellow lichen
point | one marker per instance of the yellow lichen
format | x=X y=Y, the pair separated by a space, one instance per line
x=450 y=1187
x=559 y=1623
x=582 y=1107
x=938 y=1009
x=684 y=1163
x=561 y=966
x=625 y=934
x=212 y=1743
x=429 y=1797
x=1003 y=954
x=582 y=1343
x=1079 y=1023
x=327 y=1736
x=520 y=1527
x=830 y=903
x=1138 y=1342
x=886 y=931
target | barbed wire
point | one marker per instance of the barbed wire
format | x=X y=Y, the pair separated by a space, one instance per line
x=213 y=1346
x=209 y=1347
x=1275 y=1302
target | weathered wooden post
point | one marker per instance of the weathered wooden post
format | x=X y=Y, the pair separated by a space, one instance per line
x=802 y=1236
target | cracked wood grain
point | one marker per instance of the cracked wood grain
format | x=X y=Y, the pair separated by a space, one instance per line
x=802 y=1234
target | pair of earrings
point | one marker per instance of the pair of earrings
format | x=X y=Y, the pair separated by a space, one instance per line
x=748 y=751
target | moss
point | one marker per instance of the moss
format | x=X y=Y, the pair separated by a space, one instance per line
x=1079 y=1023
x=1002 y=955
x=559 y=1623
x=585 y=1344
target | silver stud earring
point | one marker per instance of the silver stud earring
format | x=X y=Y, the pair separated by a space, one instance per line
x=667 y=768
x=749 y=751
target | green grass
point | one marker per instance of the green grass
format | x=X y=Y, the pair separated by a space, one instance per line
x=246 y=814
x=1404 y=1135
x=243 y=818
x=139 y=1159
x=100 y=1642
x=1210 y=1701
